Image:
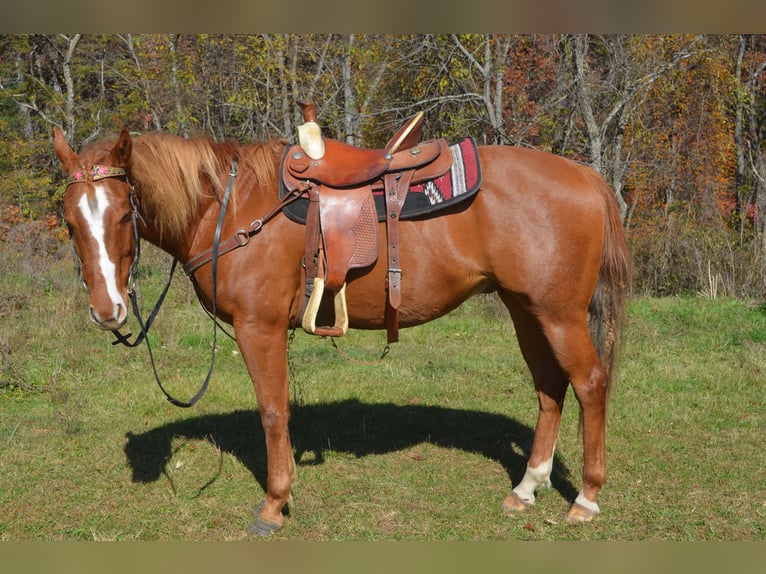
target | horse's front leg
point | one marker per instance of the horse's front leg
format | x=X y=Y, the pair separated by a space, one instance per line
x=264 y=349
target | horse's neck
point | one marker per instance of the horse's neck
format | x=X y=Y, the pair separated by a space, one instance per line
x=179 y=245
x=151 y=234
x=249 y=200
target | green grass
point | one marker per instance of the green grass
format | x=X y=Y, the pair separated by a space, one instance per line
x=422 y=445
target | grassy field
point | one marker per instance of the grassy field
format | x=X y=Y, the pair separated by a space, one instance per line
x=420 y=446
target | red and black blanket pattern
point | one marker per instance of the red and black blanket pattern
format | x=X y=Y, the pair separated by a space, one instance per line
x=460 y=183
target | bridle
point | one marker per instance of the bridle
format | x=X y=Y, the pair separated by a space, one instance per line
x=219 y=247
x=98 y=172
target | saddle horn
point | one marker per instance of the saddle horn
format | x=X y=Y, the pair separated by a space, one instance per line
x=310 y=134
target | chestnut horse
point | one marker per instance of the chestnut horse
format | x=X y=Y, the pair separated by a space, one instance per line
x=544 y=233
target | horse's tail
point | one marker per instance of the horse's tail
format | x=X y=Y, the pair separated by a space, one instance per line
x=607 y=310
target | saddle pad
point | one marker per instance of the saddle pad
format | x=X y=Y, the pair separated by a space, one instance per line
x=461 y=182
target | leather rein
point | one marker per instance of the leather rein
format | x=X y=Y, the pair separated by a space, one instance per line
x=240 y=239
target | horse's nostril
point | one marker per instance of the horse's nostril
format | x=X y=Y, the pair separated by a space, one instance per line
x=93 y=315
x=120 y=312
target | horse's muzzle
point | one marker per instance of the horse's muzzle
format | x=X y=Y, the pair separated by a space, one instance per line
x=109 y=323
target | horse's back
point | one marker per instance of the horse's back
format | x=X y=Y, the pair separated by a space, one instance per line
x=541 y=181
x=542 y=219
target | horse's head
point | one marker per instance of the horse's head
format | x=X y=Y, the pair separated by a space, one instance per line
x=99 y=211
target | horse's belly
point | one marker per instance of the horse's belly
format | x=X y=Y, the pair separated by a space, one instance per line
x=436 y=277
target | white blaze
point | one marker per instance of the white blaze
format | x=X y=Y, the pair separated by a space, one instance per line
x=94 y=211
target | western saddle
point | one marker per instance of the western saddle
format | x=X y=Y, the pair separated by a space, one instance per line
x=342 y=223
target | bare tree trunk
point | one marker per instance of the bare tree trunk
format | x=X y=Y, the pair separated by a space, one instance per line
x=284 y=95
x=174 y=84
x=619 y=168
x=26 y=117
x=759 y=167
x=585 y=102
x=289 y=107
x=350 y=115
x=740 y=208
x=69 y=118
x=492 y=73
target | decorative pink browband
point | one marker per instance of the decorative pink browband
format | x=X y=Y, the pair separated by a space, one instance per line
x=96 y=172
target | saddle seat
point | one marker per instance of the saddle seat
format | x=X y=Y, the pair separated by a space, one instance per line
x=338 y=164
x=342 y=224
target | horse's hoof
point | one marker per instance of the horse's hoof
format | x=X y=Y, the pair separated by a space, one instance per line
x=578 y=514
x=262 y=526
x=514 y=503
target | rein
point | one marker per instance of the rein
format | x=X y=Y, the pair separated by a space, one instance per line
x=145 y=327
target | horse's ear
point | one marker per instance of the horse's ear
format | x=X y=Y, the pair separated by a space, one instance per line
x=120 y=154
x=67 y=157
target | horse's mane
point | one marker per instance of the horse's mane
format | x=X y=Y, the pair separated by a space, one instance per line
x=173 y=174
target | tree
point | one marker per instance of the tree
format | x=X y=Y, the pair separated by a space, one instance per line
x=750 y=131
x=675 y=123
x=611 y=74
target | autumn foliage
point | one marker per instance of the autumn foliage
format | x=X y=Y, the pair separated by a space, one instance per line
x=676 y=123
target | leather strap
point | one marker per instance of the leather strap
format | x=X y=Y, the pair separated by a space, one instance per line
x=312 y=247
x=242 y=236
x=396 y=187
x=145 y=326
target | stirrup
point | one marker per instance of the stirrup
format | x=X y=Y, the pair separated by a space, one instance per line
x=312 y=308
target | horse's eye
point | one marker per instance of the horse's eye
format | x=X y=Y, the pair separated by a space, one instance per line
x=126 y=218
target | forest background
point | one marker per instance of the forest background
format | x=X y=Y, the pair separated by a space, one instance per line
x=676 y=123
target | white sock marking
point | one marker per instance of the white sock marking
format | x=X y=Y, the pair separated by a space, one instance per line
x=533 y=479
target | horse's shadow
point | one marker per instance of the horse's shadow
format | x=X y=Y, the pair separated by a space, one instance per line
x=348 y=426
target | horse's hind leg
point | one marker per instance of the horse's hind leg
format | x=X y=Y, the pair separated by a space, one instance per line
x=578 y=358
x=550 y=387
x=559 y=352
x=590 y=382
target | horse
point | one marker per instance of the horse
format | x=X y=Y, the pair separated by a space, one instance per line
x=544 y=233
